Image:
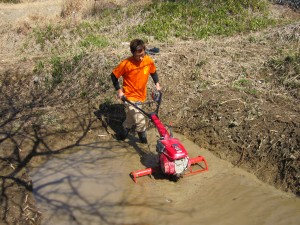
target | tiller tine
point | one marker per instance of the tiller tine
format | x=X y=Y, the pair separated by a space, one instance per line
x=200 y=160
x=141 y=173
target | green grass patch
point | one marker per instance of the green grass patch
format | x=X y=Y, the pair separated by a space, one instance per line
x=286 y=72
x=94 y=40
x=163 y=20
x=47 y=34
x=56 y=38
x=56 y=69
x=245 y=85
x=199 y=19
x=39 y=67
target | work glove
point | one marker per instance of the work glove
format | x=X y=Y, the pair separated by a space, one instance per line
x=156 y=96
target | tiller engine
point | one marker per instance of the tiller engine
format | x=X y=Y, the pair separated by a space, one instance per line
x=173 y=157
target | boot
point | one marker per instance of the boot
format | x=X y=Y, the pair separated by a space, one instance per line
x=122 y=135
x=143 y=137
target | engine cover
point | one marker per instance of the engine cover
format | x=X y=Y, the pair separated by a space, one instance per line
x=172 y=148
x=176 y=167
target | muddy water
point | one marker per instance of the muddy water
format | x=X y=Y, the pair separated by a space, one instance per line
x=92 y=186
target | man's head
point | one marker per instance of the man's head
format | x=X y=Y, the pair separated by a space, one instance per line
x=137 y=48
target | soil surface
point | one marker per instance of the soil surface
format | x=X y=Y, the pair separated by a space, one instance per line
x=242 y=128
x=91 y=185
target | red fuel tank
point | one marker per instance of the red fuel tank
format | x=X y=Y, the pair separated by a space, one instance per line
x=173 y=149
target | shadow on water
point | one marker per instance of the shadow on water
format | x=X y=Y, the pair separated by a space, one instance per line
x=112 y=116
x=28 y=136
x=32 y=130
x=87 y=185
x=24 y=139
x=75 y=186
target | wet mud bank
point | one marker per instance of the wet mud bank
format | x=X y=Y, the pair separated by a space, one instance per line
x=92 y=185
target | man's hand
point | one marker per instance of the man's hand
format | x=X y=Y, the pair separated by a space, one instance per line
x=157 y=87
x=120 y=94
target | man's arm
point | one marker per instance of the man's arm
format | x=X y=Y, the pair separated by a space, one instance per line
x=115 y=81
x=155 y=79
x=116 y=85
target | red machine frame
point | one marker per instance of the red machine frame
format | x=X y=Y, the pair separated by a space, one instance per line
x=173 y=157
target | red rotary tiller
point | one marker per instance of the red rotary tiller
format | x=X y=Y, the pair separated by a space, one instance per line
x=173 y=158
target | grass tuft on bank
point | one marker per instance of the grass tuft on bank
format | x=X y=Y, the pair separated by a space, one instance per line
x=285 y=72
x=200 y=19
x=161 y=20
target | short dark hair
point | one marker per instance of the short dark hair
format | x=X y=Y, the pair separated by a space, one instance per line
x=137 y=44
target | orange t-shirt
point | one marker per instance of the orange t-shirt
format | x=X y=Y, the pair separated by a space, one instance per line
x=135 y=77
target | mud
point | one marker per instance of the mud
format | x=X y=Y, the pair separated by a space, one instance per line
x=92 y=186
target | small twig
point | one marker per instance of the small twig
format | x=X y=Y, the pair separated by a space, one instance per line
x=26 y=198
x=235 y=99
x=11 y=165
x=241 y=158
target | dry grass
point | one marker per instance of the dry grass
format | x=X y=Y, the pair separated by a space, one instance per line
x=88 y=8
x=28 y=1
x=72 y=6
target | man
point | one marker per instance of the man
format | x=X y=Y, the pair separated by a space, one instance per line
x=135 y=72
